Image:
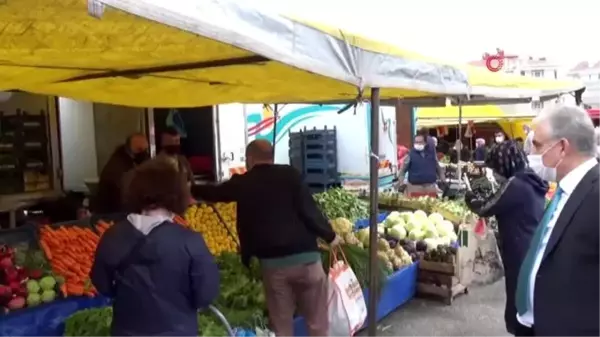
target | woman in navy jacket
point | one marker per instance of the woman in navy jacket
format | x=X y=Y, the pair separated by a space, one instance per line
x=518 y=206
x=158 y=272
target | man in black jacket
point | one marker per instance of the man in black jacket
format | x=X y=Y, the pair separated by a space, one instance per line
x=123 y=160
x=279 y=223
x=557 y=289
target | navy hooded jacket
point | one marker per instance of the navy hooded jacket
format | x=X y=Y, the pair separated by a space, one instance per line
x=158 y=273
x=518 y=207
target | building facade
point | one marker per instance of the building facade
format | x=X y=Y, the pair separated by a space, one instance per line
x=589 y=74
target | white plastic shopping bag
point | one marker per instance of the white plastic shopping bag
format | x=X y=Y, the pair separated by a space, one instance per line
x=264 y=333
x=347 y=307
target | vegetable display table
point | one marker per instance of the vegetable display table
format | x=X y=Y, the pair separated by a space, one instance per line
x=48 y=319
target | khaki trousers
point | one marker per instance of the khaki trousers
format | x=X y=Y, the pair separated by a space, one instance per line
x=302 y=288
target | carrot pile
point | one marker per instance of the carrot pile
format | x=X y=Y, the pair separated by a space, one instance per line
x=180 y=220
x=102 y=226
x=70 y=251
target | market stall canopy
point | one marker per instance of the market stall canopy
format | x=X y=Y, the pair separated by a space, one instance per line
x=511 y=86
x=477 y=114
x=224 y=51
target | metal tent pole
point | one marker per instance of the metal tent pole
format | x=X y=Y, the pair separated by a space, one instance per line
x=373 y=213
x=275 y=118
x=458 y=168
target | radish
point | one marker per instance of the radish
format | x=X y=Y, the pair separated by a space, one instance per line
x=16 y=303
x=6 y=262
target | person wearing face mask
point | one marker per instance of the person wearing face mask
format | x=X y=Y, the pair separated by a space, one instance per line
x=518 y=206
x=499 y=137
x=171 y=150
x=557 y=289
x=125 y=157
x=422 y=167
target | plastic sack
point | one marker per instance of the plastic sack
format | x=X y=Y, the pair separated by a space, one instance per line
x=264 y=332
x=346 y=303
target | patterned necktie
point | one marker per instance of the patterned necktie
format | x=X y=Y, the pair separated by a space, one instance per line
x=522 y=295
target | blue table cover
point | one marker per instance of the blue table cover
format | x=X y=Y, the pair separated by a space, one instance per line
x=47 y=319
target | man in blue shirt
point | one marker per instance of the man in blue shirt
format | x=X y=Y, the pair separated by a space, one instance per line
x=422 y=167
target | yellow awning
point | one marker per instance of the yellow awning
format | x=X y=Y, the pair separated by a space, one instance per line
x=477 y=114
x=55 y=47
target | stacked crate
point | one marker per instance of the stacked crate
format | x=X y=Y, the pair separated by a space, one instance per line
x=314 y=154
x=24 y=155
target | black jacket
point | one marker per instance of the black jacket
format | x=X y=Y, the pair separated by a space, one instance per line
x=158 y=289
x=276 y=214
x=518 y=207
x=108 y=197
x=566 y=297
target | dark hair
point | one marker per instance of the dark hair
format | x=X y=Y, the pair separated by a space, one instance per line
x=519 y=139
x=171 y=131
x=156 y=184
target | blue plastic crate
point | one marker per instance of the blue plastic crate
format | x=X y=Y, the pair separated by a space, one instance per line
x=314 y=179
x=320 y=146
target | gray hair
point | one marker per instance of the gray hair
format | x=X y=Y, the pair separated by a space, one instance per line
x=573 y=124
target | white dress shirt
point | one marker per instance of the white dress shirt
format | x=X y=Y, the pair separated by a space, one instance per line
x=568 y=185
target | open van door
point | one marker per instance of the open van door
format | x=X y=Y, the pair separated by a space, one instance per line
x=231 y=140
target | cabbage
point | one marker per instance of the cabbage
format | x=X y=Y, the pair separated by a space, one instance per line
x=363 y=235
x=420 y=214
x=442 y=230
x=430 y=231
x=431 y=243
x=391 y=221
x=416 y=235
x=448 y=225
x=436 y=218
x=381 y=229
x=397 y=232
x=407 y=216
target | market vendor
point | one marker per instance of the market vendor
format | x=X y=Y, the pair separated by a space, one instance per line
x=480 y=150
x=171 y=149
x=279 y=223
x=123 y=159
x=422 y=168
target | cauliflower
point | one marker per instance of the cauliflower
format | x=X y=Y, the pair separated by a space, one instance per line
x=342 y=225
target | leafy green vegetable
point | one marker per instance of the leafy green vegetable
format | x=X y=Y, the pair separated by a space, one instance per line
x=339 y=203
x=89 y=322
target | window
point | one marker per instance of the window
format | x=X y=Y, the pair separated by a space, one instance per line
x=537 y=105
x=537 y=73
x=555 y=74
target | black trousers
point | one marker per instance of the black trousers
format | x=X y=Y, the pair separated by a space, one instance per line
x=521 y=330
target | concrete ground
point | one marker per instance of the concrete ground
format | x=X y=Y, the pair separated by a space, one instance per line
x=478 y=313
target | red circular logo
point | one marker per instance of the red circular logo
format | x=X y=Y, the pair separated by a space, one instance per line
x=494 y=63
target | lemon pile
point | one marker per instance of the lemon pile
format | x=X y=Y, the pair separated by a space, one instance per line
x=202 y=218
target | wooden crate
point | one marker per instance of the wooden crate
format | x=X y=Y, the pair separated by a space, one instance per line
x=448 y=280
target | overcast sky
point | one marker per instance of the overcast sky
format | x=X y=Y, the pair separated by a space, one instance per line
x=462 y=30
